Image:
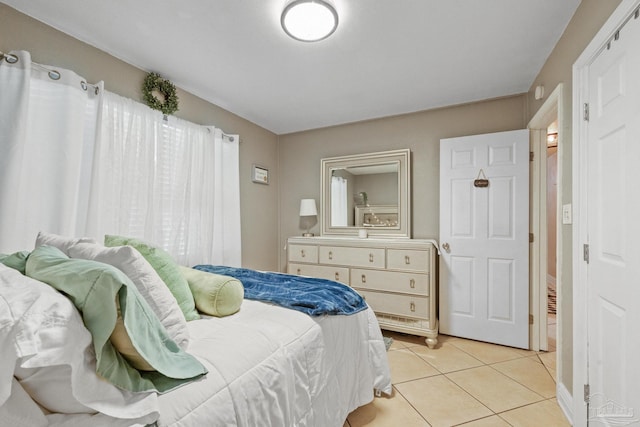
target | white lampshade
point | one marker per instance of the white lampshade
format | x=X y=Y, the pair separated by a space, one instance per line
x=309 y=20
x=308 y=207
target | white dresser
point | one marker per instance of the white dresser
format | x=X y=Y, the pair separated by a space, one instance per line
x=397 y=277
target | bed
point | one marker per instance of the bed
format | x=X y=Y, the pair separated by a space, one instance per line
x=265 y=365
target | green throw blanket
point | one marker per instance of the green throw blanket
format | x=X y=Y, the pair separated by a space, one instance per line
x=93 y=287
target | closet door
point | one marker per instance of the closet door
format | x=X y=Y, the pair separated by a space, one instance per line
x=612 y=214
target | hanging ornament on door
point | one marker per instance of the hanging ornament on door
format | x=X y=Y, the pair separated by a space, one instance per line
x=481 y=181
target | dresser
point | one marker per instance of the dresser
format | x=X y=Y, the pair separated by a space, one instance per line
x=397 y=277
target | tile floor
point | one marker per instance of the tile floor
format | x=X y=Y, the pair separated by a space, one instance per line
x=464 y=383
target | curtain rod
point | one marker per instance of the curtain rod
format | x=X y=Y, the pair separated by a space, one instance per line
x=55 y=75
x=231 y=137
x=13 y=59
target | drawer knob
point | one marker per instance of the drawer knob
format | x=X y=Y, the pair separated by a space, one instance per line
x=337 y=276
x=412 y=306
x=364 y=279
x=330 y=255
x=298 y=272
x=370 y=257
x=412 y=283
x=302 y=254
x=407 y=260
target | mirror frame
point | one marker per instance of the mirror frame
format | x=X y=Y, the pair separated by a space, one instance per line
x=403 y=158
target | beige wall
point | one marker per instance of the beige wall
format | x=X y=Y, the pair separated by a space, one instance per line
x=259 y=208
x=588 y=19
x=300 y=155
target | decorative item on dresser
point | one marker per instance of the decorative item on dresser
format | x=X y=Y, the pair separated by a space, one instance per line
x=397 y=277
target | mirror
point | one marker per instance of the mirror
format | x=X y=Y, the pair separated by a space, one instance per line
x=366 y=191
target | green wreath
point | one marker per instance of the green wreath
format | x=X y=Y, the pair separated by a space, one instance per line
x=168 y=100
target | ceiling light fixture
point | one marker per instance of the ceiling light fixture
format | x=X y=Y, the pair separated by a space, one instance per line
x=309 y=20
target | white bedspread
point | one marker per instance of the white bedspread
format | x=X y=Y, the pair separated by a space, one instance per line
x=271 y=366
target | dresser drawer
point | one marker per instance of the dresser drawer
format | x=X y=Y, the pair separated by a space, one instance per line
x=398 y=305
x=391 y=281
x=408 y=260
x=303 y=253
x=339 y=274
x=354 y=257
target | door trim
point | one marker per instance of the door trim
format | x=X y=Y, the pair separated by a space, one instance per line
x=551 y=110
x=580 y=172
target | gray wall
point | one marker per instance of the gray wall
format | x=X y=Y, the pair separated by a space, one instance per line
x=300 y=155
x=259 y=208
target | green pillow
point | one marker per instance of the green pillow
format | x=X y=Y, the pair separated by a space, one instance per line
x=94 y=288
x=166 y=268
x=17 y=261
x=215 y=294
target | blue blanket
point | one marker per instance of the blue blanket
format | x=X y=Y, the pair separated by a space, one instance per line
x=307 y=294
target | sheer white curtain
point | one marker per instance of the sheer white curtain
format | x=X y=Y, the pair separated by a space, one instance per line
x=47 y=129
x=227 y=248
x=79 y=161
x=169 y=182
x=338 y=201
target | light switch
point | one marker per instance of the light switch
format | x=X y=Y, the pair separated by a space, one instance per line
x=566 y=214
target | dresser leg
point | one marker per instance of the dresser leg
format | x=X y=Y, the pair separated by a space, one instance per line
x=431 y=342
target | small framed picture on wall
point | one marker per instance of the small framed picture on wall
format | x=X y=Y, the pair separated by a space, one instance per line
x=260 y=174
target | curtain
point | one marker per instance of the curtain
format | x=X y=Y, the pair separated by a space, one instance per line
x=338 y=201
x=80 y=161
x=169 y=182
x=47 y=128
x=227 y=248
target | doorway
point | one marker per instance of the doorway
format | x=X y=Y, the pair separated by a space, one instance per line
x=545 y=226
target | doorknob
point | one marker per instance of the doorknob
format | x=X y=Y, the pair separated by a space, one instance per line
x=446 y=247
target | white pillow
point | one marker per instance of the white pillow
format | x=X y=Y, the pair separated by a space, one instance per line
x=20 y=409
x=45 y=343
x=128 y=260
x=61 y=242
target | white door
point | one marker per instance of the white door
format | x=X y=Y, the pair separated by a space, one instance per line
x=484 y=238
x=613 y=226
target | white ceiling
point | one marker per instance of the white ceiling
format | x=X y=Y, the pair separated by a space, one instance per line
x=387 y=57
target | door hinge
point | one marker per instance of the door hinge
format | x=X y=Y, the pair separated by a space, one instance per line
x=531 y=319
x=585 y=252
x=531 y=155
x=587 y=392
x=530 y=237
x=585 y=112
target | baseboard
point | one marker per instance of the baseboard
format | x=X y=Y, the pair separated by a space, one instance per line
x=565 y=401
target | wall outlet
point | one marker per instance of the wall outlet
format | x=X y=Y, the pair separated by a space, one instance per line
x=566 y=214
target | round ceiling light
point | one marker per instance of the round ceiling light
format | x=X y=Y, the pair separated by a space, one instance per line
x=309 y=20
